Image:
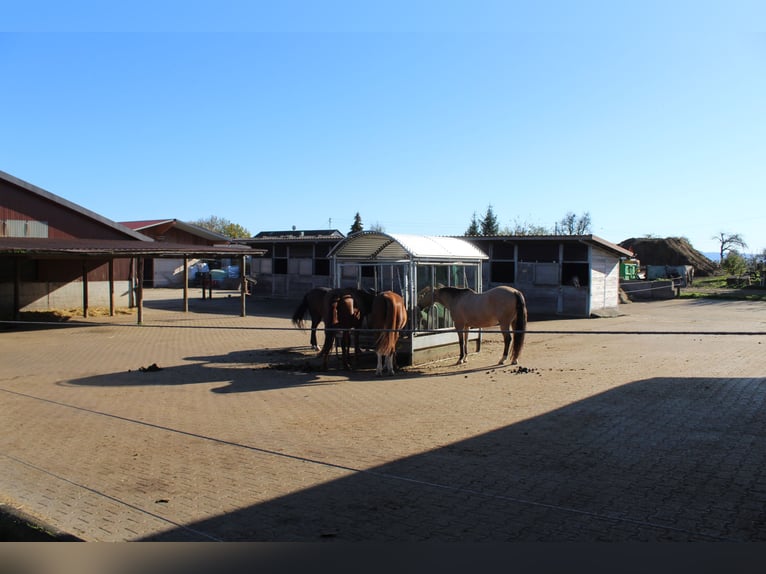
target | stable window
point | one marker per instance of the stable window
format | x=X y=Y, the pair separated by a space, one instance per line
x=575 y=252
x=544 y=252
x=502 y=272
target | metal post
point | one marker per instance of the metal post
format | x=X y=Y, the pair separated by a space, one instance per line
x=111 y=287
x=84 y=289
x=140 y=290
x=242 y=288
x=186 y=283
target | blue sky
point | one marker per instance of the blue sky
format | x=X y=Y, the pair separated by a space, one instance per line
x=648 y=115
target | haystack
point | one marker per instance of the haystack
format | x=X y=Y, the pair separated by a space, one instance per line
x=669 y=251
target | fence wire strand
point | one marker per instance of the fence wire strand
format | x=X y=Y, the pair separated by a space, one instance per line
x=405 y=332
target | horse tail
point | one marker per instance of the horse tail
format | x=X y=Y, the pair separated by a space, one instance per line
x=393 y=319
x=300 y=312
x=385 y=338
x=520 y=325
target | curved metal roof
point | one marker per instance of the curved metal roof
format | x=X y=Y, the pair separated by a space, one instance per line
x=372 y=245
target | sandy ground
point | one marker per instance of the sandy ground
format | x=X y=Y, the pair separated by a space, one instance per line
x=638 y=427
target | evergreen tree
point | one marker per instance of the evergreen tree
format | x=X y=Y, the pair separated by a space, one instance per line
x=489 y=225
x=357 y=226
x=473 y=228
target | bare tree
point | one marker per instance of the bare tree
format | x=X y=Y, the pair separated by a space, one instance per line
x=525 y=228
x=570 y=224
x=729 y=242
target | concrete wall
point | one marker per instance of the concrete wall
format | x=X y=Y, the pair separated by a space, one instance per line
x=647 y=290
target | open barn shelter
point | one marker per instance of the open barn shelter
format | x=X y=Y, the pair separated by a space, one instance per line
x=411 y=265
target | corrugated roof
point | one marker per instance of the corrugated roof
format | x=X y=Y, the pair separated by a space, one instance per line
x=588 y=239
x=113 y=248
x=300 y=234
x=373 y=245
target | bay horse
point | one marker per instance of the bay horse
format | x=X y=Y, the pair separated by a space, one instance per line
x=389 y=315
x=313 y=301
x=344 y=310
x=502 y=305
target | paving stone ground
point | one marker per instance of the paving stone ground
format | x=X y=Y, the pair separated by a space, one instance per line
x=649 y=426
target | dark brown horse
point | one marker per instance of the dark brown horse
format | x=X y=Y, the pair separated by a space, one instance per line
x=343 y=311
x=313 y=302
x=389 y=315
x=503 y=305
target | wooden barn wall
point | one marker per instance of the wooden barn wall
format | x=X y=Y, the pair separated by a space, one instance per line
x=174 y=235
x=57 y=284
x=19 y=204
x=605 y=281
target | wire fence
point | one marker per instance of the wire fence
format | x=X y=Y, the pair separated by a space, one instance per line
x=404 y=332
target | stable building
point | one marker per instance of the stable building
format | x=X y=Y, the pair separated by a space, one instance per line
x=568 y=275
x=169 y=272
x=55 y=254
x=293 y=262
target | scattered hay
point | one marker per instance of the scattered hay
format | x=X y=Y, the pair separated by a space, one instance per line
x=63 y=315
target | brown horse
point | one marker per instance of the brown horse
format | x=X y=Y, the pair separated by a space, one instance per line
x=390 y=316
x=313 y=301
x=503 y=305
x=344 y=310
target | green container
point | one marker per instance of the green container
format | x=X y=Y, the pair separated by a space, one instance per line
x=628 y=270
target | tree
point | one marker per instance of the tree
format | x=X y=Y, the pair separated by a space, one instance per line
x=570 y=224
x=473 y=228
x=734 y=264
x=488 y=223
x=357 y=226
x=223 y=226
x=729 y=242
x=525 y=228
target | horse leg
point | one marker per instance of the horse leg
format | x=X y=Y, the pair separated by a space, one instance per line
x=346 y=344
x=357 y=350
x=314 y=344
x=329 y=338
x=379 y=368
x=506 y=345
x=390 y=363
x=462 y=337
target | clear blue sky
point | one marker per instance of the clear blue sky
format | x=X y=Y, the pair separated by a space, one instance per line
x=649 y=115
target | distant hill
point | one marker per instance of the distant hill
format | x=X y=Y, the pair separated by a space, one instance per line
x=669 y=251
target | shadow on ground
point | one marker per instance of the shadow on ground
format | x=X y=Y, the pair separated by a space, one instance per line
x=243 y=371
x=664 y=459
